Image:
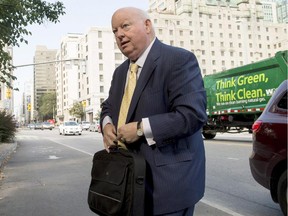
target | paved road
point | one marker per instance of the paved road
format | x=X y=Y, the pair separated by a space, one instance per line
x=47 y=183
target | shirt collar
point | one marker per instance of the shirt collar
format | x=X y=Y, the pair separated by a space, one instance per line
x=141 y=60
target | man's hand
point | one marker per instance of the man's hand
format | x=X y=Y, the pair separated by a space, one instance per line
x=128 y=133
x=109 y=136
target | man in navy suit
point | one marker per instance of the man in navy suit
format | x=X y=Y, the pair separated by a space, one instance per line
x=165 y=117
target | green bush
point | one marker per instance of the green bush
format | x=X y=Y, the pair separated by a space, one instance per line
x=7 y=127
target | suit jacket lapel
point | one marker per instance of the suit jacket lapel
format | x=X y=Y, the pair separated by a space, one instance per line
x=121 y=81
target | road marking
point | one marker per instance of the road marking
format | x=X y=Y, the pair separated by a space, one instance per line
x=221 y=208
x=230 y=158
x=53 y=157
x=72 y=147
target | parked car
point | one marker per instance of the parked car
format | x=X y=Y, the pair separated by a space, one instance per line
x=47 y=125
x=85 y=125
x=31 y=126
x=93 y=127
x=268 y=161
x=38 y=126
x=70 y=127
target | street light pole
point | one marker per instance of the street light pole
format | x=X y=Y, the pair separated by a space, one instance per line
x=48 y=62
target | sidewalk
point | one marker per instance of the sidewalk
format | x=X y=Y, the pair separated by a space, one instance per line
x=6 y=149
x=203 y=208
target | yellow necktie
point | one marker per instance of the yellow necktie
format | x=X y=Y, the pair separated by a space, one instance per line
x=127 y=95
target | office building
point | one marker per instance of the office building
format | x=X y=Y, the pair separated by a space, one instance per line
x=44 y=75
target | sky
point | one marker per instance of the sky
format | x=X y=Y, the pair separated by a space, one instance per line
x=79 y=17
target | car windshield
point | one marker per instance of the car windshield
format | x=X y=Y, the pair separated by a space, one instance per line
x=70 y=124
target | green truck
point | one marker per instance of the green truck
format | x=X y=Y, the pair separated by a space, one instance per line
x=236 y=97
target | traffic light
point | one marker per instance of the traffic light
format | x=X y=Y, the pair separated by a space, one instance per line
x=29 y=106
x=8 y=93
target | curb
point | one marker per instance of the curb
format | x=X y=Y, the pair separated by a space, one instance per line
x=6 y=149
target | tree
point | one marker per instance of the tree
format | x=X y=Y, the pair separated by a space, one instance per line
x=15 y=16
x=77 y=110
x=47 y=105
x=7 y=127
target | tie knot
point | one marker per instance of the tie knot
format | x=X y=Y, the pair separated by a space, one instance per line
x=134 y=68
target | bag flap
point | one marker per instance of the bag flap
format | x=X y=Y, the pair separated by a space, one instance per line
x=109 y=171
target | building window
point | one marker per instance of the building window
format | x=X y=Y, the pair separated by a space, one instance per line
x=102 y=89
x=87 y=90
x=100 y=45
x=100 y=67
x=99 y=34
x=101 y=78
x=118 y=56
x=100 y=56
x=170 y=32
x=160 y=31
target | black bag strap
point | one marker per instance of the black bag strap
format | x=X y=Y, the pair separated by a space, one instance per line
x=139 y=185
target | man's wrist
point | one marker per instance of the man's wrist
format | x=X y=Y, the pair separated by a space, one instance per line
x=140 y=132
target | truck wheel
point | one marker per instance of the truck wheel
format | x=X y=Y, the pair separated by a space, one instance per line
x=209 y=135
x=282 y=192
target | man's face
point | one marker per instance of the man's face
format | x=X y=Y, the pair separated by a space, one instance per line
x=131 y=33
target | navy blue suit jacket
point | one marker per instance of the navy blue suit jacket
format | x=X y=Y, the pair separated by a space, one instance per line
x=170 y=92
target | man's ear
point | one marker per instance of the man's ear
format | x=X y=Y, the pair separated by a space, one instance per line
x=148 y=25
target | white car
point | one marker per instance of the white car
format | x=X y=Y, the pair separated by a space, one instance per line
x=70 y=127
x=85 y=125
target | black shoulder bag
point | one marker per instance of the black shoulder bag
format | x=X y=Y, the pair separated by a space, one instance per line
x=117 y=186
